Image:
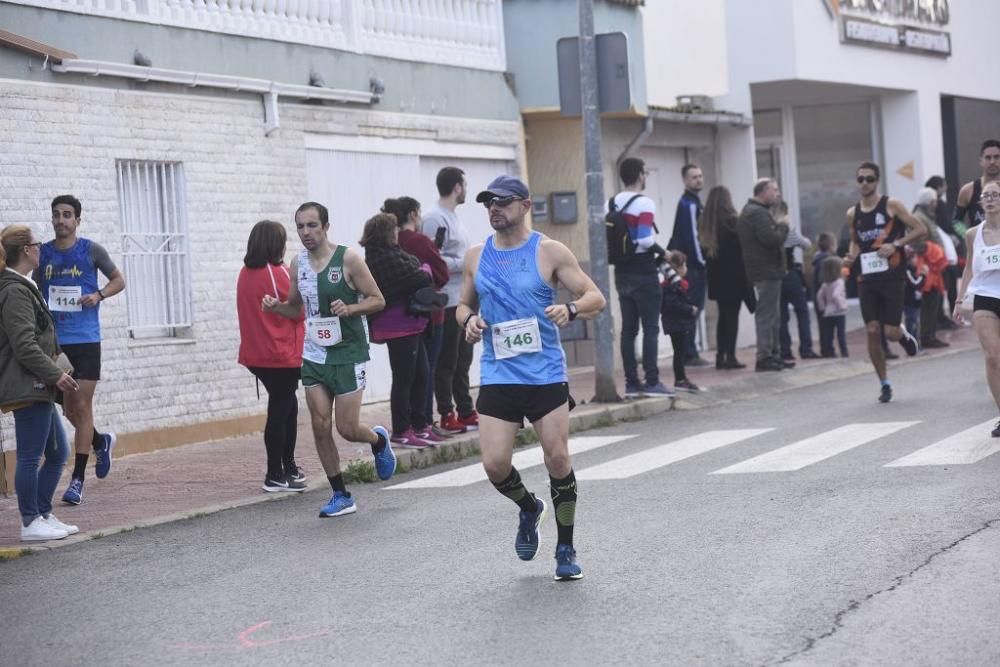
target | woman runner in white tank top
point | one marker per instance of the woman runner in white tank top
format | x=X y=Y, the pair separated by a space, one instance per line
x=981 y=279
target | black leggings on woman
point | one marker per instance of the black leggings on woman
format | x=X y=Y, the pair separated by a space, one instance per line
x=728 y=329
x=407 y=399
x=281 y=427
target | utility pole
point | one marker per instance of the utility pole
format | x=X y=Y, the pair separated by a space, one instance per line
x=604 y=345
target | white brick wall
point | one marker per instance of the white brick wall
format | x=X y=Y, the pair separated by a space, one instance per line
x=65 y=139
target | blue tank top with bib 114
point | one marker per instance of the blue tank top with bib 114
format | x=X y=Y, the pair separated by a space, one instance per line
x=66 y=276
x=520 y=344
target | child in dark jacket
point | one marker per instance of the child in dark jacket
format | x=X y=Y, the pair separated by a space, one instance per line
x=676 y=313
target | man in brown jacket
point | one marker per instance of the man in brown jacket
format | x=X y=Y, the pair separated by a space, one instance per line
x=762 y=241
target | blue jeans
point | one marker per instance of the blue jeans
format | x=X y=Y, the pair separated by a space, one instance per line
x=39 y=431
x=697 y=285
x=794 y=294
x=639 y=297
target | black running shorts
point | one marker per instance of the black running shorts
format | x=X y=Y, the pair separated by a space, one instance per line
x=517 y=402
x=86 y=360
x=986 y=303
x=882 y=301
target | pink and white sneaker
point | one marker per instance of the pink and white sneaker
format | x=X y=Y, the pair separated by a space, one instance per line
x=409 y=440
x=430 y=436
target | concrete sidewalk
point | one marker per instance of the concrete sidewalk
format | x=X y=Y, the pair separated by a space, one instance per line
x=182 y=482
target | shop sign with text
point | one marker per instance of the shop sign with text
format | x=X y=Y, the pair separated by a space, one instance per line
x=915 y=26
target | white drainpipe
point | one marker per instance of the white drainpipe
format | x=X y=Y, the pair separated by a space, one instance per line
x=269 y=90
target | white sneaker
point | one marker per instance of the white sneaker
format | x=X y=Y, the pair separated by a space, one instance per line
x=59 y=525
x=40 y=530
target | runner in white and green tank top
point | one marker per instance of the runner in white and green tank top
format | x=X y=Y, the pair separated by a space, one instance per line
x=341 y=366
x=333 y=283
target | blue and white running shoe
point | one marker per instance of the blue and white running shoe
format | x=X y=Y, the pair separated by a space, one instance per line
x=74 y=493
x=527 y=542
x=385 y=460
x=339 y=505
x=103 y=455
x=567 y=569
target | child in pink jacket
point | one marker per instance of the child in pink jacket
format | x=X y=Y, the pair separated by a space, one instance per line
x=831 y=301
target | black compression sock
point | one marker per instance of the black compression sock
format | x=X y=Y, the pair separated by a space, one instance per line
x=337 y=482
x=564 y=500
x=380 y=445
x=513 y=488
x=80 y=466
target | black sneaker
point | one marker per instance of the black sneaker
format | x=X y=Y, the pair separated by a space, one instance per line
x=908 y=342
x=996 y=431
x=282 y=485
x=769 y=365
x=295 y=474
x=886 y=395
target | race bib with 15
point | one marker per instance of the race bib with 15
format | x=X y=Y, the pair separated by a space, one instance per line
x=324 y=331
x=516 y=337
x=872 y=263
x=991 y=257
x=65 y=298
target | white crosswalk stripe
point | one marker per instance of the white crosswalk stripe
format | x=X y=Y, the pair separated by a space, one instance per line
x=657 y=457
x=812 y=450
x=522 y=460
x=969 y=446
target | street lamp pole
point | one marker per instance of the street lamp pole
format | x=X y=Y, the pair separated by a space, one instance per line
x=604 y=361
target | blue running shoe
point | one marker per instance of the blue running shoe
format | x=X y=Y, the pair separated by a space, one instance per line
x=339 y=505
x=103 y=455
x=74 y=493
x=385 y=460
x=527 y=542
x=567 y=569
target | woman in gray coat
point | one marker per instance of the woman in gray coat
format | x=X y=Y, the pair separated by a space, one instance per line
x=29 y=377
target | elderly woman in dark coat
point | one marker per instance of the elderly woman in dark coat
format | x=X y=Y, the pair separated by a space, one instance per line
x=727 y=279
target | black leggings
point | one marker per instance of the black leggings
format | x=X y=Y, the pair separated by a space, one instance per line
x=728 y=329
x=281 y=428
x=678 y=340
x=408 y=397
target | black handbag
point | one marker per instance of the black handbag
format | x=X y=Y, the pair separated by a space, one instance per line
x=425 y=301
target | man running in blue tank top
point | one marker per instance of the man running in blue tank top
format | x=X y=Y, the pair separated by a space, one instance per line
x=67 y=277
x=508 y=303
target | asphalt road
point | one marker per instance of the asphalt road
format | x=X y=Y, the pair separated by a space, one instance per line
x=794 y=558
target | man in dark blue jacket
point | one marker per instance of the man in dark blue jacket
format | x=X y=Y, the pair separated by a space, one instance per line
x=685 y=239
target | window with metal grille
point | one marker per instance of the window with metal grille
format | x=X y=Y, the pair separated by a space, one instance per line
x=152 y=202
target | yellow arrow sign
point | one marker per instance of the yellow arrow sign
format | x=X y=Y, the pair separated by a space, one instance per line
x=907 y=170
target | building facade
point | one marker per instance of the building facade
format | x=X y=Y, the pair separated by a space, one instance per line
x=180 y=124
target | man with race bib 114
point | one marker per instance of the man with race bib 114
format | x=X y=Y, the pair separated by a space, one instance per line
x=880 y=229
x=508 y=303
x=67 y=278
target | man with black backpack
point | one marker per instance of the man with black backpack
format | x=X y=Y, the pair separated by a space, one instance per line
x=633 y=251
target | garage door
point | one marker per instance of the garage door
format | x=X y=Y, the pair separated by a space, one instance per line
x=353 y=184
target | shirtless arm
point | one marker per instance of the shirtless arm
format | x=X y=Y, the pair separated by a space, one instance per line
x=915 y=230
x=468 y=298
x=361 y=277
x=292 y=309
x=564 y=266
x=853 y=250
x=970 y=237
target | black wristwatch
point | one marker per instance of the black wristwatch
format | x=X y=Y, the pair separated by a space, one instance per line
x=571 y=307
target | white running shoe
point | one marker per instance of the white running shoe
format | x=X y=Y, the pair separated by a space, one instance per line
x=40 y=530
x=59 y=525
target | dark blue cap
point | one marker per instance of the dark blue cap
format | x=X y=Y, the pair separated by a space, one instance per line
x=504 y=186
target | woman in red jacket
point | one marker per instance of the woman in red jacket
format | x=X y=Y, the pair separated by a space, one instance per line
x=271 y=348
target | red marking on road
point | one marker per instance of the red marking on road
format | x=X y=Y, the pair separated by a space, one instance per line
x=245 y=640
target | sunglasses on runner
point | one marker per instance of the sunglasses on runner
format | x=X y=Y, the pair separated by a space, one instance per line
x=867 y=179
x=501 y=202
